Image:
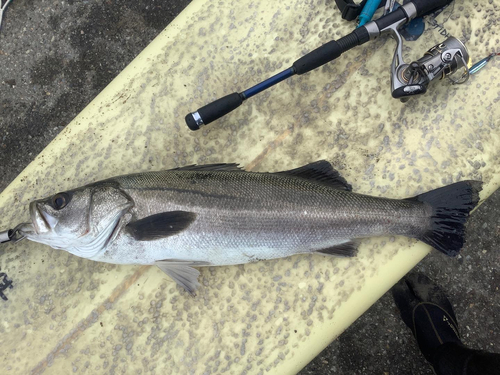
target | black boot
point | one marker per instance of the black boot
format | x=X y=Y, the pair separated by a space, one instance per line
x=426 y=310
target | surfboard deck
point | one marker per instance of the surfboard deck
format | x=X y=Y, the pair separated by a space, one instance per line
x=65 y=313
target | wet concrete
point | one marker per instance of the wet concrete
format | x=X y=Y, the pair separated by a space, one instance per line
x=57 y=56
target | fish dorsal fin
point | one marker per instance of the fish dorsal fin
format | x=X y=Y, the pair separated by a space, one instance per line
x=321 y=171
x=160 y=225
x=182 y=272
x=211 y=167
x=346 y=249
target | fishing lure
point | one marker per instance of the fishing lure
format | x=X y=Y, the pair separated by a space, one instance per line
x=482 y=63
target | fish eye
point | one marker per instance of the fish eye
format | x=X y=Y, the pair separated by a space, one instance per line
x=59 y=201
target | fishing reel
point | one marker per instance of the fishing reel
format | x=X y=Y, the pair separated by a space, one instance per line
x=442 y=60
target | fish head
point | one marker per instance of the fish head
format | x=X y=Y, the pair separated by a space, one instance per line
x=80 y=221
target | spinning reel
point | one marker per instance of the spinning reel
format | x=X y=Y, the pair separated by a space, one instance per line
x=442 y=60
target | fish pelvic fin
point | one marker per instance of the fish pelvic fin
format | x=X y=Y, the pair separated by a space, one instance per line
x=451 y=206
x=346 y=249
x=320 y=171
x=183 y=273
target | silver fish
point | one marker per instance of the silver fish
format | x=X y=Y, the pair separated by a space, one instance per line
x=218 y=214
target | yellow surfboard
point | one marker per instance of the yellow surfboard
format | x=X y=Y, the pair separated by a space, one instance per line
x=68 y=314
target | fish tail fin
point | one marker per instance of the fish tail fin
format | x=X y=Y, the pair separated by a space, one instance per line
x=451 y=206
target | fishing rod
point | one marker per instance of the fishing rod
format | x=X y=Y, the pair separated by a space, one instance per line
x=407 y=79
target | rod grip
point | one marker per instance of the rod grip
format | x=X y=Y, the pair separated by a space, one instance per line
x=213 y=111
x=426 y=6
x=330 y=51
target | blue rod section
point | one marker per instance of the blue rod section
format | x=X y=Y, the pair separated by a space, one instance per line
x=268 y=83
x=368 y=11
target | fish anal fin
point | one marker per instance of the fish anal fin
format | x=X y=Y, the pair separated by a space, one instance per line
x=346 y=249
x=160 y=225
x=320 y=171
x=182 y=273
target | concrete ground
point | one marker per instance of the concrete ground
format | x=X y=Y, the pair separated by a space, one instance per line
x=55 y=56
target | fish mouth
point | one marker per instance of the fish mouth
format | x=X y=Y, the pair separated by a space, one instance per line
x=42 y=221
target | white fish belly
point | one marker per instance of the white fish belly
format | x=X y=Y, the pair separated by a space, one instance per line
x=216 y=248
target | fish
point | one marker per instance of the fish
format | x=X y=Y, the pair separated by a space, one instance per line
x=219 y=214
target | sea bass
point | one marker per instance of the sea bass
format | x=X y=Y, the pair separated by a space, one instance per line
x=219 y=214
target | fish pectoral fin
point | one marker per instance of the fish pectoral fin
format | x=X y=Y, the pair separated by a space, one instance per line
x=346 y=249
x=182 y=273
x=160 y=225
x=320 y=171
